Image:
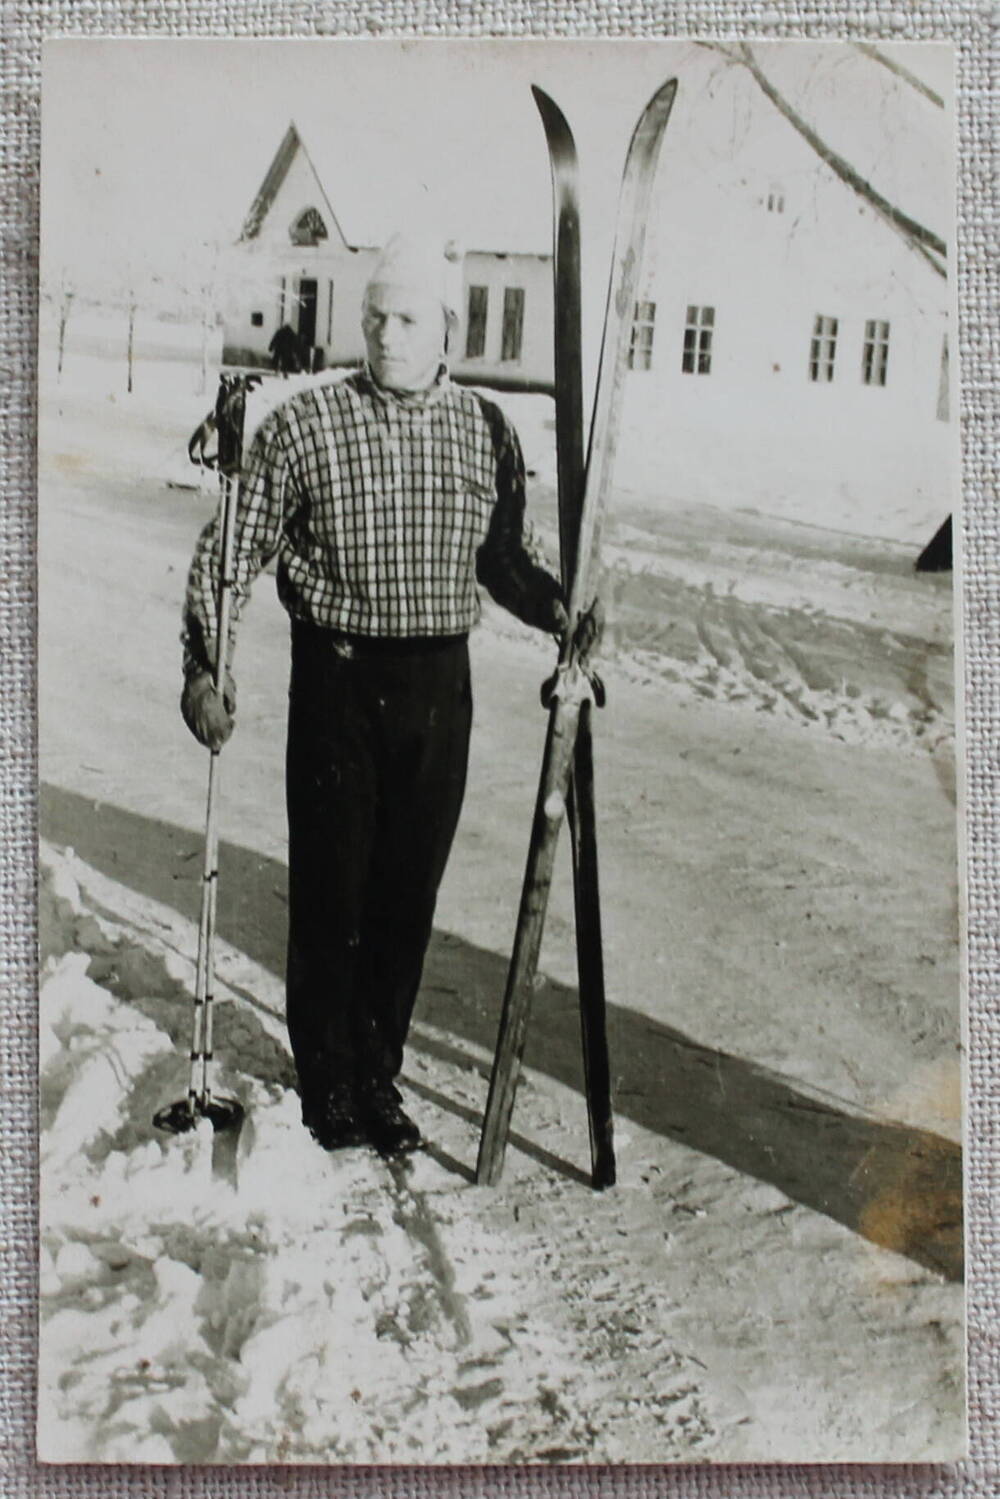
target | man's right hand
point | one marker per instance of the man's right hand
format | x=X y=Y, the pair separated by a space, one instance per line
x=209 y=714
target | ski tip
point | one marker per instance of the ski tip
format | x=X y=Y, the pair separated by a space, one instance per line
x=664 y=96
x=553 y=119
x=651 y=124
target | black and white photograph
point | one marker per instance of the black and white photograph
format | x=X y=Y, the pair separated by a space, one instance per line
x=500 y=785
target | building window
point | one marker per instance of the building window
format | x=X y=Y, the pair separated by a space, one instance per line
x=698 y=331
x=329 y=313
x=513 y=322
x=876 y=353
x=775 y=201
x=640 y=352
x=281 y=302
x=823 y=349
x=308 y=228
x=256 y=320
x=475 y=330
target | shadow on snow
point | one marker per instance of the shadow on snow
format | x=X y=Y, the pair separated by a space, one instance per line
x=897 y=1186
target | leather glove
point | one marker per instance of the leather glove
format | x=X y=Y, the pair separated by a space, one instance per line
x=589 y=630
x=208 y=714
x=587 y=637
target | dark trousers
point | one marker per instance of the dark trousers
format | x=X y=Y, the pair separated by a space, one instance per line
x=378 y=739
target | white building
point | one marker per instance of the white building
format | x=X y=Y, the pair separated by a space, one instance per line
x=307 y=275
x=791 y=343
x=790 y=349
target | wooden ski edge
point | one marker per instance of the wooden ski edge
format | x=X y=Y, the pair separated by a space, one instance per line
x=567 y=362
x=629 y=245
x=582 y=811
x=568 y=350
x=550 y=804
x=580 y=805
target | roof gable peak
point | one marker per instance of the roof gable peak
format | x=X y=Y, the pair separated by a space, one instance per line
x=291 y=145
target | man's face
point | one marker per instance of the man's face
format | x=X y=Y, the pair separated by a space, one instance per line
x=404 y=329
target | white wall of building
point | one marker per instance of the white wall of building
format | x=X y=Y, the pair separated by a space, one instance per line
x=757 y=431
x=533 y=275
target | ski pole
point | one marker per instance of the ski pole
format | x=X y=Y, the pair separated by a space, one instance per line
x=200 y=1092
x=224 y=1113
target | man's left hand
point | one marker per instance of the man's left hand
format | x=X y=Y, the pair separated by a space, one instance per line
x=589 y=630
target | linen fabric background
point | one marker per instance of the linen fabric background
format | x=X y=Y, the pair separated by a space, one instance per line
x=974 y=28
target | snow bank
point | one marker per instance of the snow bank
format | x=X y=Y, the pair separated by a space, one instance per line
x=289 y=1306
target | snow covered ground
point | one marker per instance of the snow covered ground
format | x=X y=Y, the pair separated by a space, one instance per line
x=777 y=1274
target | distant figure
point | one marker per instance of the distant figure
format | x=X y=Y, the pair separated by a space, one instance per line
x=285 y=351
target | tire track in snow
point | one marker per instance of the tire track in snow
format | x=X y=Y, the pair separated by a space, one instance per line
x=765 y=656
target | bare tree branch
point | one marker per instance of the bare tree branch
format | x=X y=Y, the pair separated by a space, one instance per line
x=901 y=72
x=723 y=49
x=930 y=246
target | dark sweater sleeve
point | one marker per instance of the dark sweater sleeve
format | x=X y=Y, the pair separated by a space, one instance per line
x=264 y=493
x=504 y=565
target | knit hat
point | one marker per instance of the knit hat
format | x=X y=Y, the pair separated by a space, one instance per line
x=407 y=260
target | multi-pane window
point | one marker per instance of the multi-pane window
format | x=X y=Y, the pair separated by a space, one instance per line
x=513 y=322
x=475 y=326
x=640 y=352
x=698 y=329
x=775 y=201
x=875 y=357
x=823 y=348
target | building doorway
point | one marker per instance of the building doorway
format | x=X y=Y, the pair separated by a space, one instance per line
x=308 y=296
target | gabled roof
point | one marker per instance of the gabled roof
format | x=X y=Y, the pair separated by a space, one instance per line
x=285 y=155
x=355 y=187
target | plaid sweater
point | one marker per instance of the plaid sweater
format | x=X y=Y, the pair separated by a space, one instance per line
x=383 y=511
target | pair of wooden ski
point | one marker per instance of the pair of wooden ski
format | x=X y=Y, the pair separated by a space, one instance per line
x=566 y=785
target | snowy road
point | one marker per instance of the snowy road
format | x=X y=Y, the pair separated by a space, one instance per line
x=777 y=1274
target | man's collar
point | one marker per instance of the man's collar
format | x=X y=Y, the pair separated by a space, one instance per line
x=408 y=398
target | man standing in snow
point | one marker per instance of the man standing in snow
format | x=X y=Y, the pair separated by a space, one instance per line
x=384 y=496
